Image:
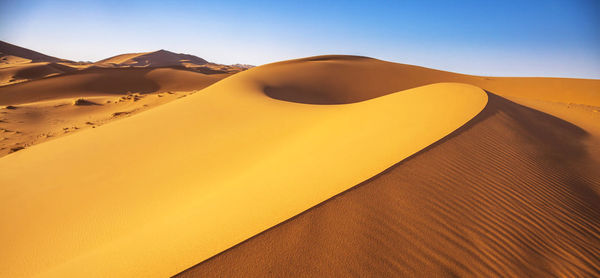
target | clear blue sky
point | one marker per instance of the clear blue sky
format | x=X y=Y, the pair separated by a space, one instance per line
x=506 y=38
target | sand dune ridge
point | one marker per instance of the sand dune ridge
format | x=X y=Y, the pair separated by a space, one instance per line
x=237 y=130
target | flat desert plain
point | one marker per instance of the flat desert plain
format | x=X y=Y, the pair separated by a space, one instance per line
x=161 y=164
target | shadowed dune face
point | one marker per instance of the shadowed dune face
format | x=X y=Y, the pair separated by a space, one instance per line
x=343 y=79
x=511 y=193
x=346 y=79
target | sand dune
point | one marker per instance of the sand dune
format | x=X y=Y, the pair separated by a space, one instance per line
x=160 y=58
x=511 y=193
x=236 y=129
x=164 y=58
x=31 y=71
x=7 y=49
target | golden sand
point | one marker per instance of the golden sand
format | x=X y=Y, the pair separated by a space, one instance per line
x=511 y=191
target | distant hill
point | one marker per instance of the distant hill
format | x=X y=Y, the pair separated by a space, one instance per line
x=160 y=58
x=10 y=53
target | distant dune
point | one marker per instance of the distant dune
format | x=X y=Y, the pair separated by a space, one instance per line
x=102 y=82
x=328 y=166
x=7 y=49
x=160 y=58
x=32 y=71
x=20 y=65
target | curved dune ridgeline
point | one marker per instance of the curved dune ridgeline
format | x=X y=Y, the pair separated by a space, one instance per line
x=237 y=180
x=154 y=59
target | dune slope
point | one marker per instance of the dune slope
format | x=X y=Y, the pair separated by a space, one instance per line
x=124 y=199
x=511 y=194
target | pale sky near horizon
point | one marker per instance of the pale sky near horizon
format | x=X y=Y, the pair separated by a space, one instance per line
x=558 y=38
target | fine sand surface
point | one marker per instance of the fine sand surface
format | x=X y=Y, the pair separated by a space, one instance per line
x=476 y=184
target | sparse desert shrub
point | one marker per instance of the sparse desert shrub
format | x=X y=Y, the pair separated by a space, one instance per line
x=116 y=114
x=82 y=101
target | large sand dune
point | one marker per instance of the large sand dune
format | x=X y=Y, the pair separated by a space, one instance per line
x=514 y=192
x=231 y=156
x=511 y=193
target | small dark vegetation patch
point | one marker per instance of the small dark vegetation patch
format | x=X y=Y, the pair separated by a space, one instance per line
x=116 y=114
x=82 y=101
